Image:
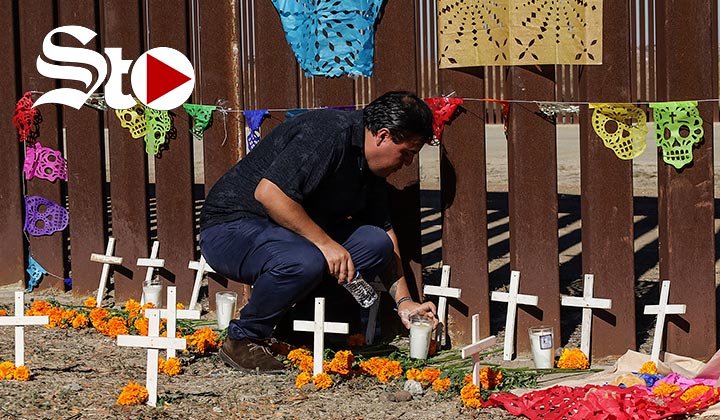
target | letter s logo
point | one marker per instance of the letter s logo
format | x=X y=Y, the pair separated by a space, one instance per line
x=67 y=96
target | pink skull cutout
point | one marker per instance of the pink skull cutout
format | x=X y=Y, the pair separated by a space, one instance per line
x=44 y=217
x=45 y=163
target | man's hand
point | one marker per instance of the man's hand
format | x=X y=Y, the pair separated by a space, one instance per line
x=291 y=215
x=409 y=308
x=338 y=259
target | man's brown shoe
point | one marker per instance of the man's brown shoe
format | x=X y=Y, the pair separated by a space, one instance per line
x=249 y=356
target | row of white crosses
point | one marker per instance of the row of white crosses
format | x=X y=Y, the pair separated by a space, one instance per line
x=319 y=327
x=152 y=263
x=154 y=343
x=587 y=302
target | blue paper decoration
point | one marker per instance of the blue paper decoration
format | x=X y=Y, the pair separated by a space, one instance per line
x=331 y=37
x=254 y=120
x=36 y=272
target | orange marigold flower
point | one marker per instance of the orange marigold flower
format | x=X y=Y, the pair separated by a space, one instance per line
x=22 y=373
x=470 y=396
x=55 y=316
x=302 y=379
x=170 y=367
x=39 y=307
x=116 y=326
x=90 y=302
x=7 y=370
x=133 y=308
x=429 y=375
x=414 y=374
x=649 y=367
x=301 y=358
x=80 y=321
x=441 y=385
x=203 y=340
x=490 y=378
x=341 y=363
x=98 y=315
x=665 y=388
x=142 y=325
x=179 y=306
x=573 y=359
x=356 y=340
x=694 y=392
x=3 y=312
x=322 y=381
x=383 y=369
x=133 y=394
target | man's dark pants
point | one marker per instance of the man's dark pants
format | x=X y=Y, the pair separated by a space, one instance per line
x=284 y=268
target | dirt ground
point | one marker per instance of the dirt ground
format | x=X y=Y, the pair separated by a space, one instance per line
x=79 y=374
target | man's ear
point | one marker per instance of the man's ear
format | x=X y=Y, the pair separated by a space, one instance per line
x=383 y=134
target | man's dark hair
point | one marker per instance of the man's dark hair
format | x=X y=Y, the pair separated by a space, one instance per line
x=403 y=113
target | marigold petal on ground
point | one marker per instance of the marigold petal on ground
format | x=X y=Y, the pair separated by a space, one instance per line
x=3 y=312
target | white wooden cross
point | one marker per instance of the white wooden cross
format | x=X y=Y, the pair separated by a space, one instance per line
x=172 y=314
x=476 y=347
x=107 y=260
x=373 y=314
x=513 y=298
x=444 y=292
x=153 y=342
x=19 y=321
x=319 y=327
x=201 y=267
x=151 y=263
x=661 y=310
x=587 y=302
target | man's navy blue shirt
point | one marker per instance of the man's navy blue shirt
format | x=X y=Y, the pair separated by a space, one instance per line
x=316 y=159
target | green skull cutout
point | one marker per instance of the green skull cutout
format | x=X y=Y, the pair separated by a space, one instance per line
x=678 y=127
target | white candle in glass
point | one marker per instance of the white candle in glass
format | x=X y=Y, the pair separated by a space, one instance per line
x=153 y=294
x=225 y=303
x=420 y=334
x=541 y=344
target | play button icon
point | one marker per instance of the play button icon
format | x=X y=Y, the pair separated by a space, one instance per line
x=163 y=78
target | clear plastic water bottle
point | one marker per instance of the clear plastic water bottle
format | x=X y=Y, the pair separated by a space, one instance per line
x=361 y=290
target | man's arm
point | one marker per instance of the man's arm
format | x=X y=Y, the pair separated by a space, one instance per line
x=399 y=289
x=289 y=214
